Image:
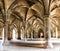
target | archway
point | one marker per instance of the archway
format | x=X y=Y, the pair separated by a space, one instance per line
x=14 y=32
x=40 y=33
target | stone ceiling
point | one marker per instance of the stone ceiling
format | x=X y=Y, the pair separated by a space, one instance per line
x=28 y=10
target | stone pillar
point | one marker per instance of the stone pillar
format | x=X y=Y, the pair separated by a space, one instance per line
x=6 y=32
x=49 y=28
x=22 y=34
x=56 y=32
x=32 y=34
x=5 y=41
x=46 y=28
x=19 y=33
x=9 y=33
x=49 y=34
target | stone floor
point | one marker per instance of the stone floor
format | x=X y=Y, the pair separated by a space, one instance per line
x=22 y=48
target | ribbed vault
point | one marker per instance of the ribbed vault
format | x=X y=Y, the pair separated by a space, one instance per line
x=29 y=17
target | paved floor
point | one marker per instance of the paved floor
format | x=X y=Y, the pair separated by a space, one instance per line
x=22 y=48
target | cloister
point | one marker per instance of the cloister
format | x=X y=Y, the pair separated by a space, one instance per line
x=31 y=22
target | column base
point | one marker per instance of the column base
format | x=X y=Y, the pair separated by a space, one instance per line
x=5 y=43
x=50 y=45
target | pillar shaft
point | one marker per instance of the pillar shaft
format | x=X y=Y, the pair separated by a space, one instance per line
x=19 y=34
x=5 y=34
x=46 y=32
x=46 y=26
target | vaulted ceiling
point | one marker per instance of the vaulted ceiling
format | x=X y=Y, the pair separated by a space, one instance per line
x=15 y=11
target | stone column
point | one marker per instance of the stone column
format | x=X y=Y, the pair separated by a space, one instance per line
x=49 y=34
x=32 y=34
x=56 y=32
x=46 y=26
x=6 y=32
x=9 y=33
x=19 y=33
x=46 y=32
x=22 y=36
x=5 y=41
